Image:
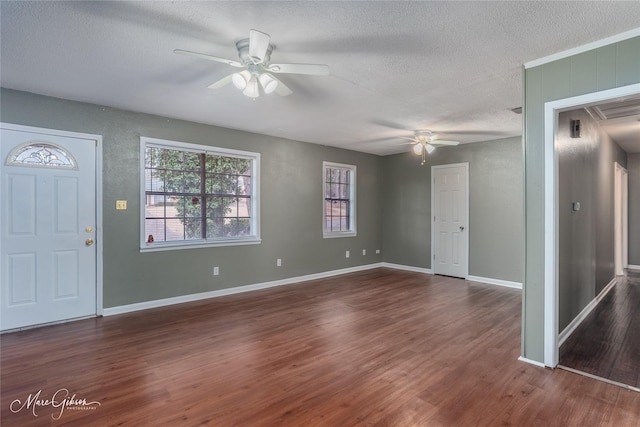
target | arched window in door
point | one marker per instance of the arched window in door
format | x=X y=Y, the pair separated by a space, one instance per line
x=41 y=155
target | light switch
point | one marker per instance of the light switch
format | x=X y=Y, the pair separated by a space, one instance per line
x=121 y=205
x=576 y=206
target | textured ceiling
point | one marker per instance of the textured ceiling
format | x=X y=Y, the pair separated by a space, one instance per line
x=452 y=67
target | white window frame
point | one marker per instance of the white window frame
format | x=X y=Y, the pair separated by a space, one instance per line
x=201 y=243
x=352 y=232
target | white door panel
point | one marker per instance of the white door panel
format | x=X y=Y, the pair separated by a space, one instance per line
x=48 y=266
x=450 y=222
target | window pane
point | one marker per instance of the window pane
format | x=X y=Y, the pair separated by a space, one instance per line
x=155 y=229
x=215 y=228
x=244 y=207
x=192 y=228
x=174 y=229
x=231 y=208
x=338 y=198
x=244 y=185
x=179 y=208
x=191 y=182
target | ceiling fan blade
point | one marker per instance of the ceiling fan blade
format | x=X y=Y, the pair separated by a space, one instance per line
x=443 y=142
x=311 y=69
x=209 y=57
x=258 y=45
x=222 y=82
x=282 y=89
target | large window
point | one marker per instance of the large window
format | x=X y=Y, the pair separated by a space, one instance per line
x=197 y=195
x=339 y=200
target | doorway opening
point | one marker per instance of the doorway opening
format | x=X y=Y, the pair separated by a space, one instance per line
x=554 y=219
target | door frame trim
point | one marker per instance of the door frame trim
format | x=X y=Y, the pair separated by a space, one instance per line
x=98 y=193
x=621 y=217
x=552 y=110
x=466 y=235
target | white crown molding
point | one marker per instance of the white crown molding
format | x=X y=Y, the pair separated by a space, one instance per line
x=584 y=48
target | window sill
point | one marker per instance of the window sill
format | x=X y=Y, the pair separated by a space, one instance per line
x=171 y=246
x=336 y=235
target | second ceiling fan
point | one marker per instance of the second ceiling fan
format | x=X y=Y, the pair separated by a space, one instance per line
x=257 y=74
x=425 y=141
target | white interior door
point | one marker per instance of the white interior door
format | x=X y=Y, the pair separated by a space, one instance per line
x=621 y=238
x=450 y=231
x=47 y=223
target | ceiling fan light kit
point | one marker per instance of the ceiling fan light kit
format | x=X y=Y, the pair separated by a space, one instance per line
x=255 y=56
x=425 y=142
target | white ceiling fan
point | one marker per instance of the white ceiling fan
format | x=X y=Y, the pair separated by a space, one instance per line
x=425 y=141
x=257 y=74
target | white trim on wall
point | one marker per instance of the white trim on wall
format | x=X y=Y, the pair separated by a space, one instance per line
x=584 y=48
x=633 y=267
x=288 y=281
x=551 y=111
x=230 y=291
x=571 y=327
x=407 y=268
x=497 y=282
x=531 y=362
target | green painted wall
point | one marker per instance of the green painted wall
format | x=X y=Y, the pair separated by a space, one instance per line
x=291 y=203
x=496 y=239
x=607 y=67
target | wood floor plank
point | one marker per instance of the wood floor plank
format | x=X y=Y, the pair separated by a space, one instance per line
x=607 y=342
x=376 y=348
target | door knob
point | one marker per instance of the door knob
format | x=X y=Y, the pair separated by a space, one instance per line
x=88 y=242
x=461 y=228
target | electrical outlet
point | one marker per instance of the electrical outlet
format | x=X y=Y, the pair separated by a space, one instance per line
x=346 y=254
x=364 y=252
x=216 y=271
x=377 y=251
x=121 y=205
x=279 y=262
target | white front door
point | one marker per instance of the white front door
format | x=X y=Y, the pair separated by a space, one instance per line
x=47 y=225
x=450 y=231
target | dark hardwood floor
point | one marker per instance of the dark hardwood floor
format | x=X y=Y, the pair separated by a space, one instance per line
x=375 y=348
x=607 y=342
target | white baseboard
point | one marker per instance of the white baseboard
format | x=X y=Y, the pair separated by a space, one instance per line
x=406 y=268
x=497 y=282
x=110 y=311
x=571 y=327
x=486 y=280
x=532 y=362
x=633 y=267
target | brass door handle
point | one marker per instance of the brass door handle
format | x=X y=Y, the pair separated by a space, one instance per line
x=88 y=242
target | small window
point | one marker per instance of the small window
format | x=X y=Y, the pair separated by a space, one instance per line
x=41 y=155
x=198 y=195
x=339 y=210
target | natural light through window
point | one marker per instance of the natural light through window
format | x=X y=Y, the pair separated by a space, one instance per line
x=197 y=195
x=339 y=184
